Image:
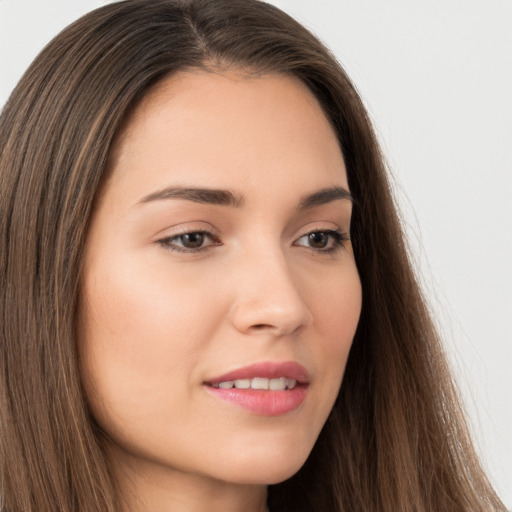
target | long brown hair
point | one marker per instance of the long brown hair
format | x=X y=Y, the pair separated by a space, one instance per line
x=396 y=439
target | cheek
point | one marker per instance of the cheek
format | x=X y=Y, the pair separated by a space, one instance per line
x=339 y=316
x=337 y=308
x=142 y=312
x=141 y=337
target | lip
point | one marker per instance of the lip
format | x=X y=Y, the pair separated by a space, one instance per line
x=264 y=402
x=267 y=369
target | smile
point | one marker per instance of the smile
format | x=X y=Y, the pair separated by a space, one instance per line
x=280 y=384
x=268 y=389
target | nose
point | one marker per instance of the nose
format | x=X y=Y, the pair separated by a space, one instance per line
x=268 y=299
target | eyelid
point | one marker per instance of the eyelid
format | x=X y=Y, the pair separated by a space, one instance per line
x=339 y=236
x=186 y=227
x=166 y=236
x=167 y=243
x=327 y=226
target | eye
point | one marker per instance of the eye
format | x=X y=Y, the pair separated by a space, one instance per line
x=193 y=241
x=323 y=241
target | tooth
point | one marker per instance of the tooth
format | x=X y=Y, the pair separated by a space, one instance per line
x=259 y=383
x=290 y=383
x=282 y=383
x=277 y=384
x=243 y=383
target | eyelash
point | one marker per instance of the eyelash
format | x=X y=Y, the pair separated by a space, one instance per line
x=167 y=242
x=337 y=238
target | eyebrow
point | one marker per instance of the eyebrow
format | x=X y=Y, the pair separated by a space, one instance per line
x=227 y=198
x=197 y=195
x=324 y=196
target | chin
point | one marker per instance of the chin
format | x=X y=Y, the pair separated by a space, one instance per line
x=270 y=475
x=265 y=465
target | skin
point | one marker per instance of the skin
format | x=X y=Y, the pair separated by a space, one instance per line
x=157 y=323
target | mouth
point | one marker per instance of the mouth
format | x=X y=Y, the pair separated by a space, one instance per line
x=279 y=384
x=269 y=388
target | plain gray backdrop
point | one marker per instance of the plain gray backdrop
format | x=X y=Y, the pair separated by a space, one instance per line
x=437 y=79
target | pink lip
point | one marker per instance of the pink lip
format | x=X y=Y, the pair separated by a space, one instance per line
x=264 y=402
x=269 y=370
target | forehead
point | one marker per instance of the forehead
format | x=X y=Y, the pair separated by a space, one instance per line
x=221 y=128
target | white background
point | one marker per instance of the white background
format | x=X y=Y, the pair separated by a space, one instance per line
x=437 y=79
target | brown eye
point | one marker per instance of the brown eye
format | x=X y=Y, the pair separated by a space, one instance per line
x=323 y=241
x=192 y=240
x=318 y=240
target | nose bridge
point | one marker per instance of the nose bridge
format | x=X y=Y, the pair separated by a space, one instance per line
x=267 y=295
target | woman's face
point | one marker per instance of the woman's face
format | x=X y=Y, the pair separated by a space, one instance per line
x=218 y=256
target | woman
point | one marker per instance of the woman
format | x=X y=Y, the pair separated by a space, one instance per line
x=198 y=243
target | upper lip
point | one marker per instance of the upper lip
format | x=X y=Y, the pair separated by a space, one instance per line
x=267 y=369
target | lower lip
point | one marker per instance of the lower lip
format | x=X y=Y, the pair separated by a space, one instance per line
x=266 y=403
